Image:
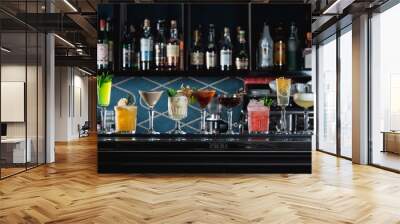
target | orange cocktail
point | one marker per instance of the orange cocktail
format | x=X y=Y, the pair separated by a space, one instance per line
x=125 y=118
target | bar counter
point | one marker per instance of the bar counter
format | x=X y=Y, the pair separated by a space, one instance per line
x=193 y=153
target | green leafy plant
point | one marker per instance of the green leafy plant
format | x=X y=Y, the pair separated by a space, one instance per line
x=267 y=101
x=172 y=92
x=104 y=78
x=130 y=99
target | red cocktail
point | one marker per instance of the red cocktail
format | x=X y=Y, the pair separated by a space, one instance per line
x=204 y=97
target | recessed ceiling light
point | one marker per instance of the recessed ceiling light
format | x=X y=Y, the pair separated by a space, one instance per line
x=5 y=50
x=70 y=5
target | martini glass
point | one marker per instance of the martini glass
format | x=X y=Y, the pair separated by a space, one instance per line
x=283 y=94
x=151 y=98
x=103 y=100
x=230 y=101
x=304 y=100
x=204 y=97
x=177 y=110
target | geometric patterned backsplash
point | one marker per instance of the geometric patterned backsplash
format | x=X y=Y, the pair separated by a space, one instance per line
x=162 y=123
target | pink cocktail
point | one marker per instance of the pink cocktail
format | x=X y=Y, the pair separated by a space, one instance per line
x=258 y=117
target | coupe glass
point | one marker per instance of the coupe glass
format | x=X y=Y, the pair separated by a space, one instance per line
x=229 y=101
x=283 y=94
x=204 y=97
x=304 y=100
x=151 y=98
x=177 y=110
x=103 y=100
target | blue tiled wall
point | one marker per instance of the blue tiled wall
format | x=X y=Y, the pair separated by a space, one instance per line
x=124 y=85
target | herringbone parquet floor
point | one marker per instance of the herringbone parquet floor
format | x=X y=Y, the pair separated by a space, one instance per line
x=71 y=191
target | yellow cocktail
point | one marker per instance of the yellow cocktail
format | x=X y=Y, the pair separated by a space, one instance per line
x=125 y=118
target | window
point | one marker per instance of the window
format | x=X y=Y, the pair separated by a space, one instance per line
x=327 y=96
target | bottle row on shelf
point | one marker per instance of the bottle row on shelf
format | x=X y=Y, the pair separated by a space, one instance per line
x=143 y=50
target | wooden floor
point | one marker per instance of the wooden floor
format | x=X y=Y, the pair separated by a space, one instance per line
x=71 y=191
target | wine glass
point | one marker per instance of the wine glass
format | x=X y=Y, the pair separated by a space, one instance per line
x=151 y=98
x=283 y=94
x=177 y=110
x=229 y=101
x=204 y=97
x=103 y=100
x=304 y=100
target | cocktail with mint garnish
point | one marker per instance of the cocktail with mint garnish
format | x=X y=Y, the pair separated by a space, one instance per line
x=104 y=85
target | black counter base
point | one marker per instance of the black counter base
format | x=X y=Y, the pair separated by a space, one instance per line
x=216 y=155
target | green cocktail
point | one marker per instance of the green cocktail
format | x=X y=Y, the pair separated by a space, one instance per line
x=104 y=84
x=104 y=94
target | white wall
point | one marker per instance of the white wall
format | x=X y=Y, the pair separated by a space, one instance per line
x=71 y=102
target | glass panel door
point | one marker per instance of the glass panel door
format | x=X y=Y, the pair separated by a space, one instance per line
x=327 y=96
x=346 y=93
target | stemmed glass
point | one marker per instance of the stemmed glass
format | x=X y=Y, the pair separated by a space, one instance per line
x=304 y=100
x=229 y=101
x=151 y=98
x=103 y=99
x=204 y=97
x=283 y=94
x=177 y=110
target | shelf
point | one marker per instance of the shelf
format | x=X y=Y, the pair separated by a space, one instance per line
x=298 y=75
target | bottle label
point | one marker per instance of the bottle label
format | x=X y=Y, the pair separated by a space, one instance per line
x=280 y=53
x=226 y=57
x=172 y=54
x=160 y=54
x=102 y=54
x=126 y=57
x=265 y=55
x=242 y=63
x=197 y=58
x=211 y=59
x=146 y=49
x=110 y=51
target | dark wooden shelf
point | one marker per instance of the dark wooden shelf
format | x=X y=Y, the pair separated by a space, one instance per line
x=273 y=73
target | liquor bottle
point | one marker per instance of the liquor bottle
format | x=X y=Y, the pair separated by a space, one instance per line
x=146 y=46
x=211 y=53
x=307 y=52
x=110 y=44
x=242 y=58
x=173 y=47
x=280 y=47
x=181 y=53
x=292 y=48
x=265 y=49
x=134 y=39
x=102 y=47
x=127 y=50
x=197 y=52
x=226 y=51
x=160 y=47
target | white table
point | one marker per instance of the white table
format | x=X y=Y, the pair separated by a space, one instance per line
x=19 y=155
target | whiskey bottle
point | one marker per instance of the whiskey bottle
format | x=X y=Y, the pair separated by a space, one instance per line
x=265 y=49
x=242 y=58
x=197 y=52
x=292 y=48
x=127 y=50
x=134 y=39
x=160 y=47
x=226 y=51
x=146 y=47
x=173 y=47
x=102 y=47
x=109 y=34
x=280 y=47
x=211 y=53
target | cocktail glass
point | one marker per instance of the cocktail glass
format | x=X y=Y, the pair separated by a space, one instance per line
x=151 y=98
x=283 y=94
x=204 y=97
x=103 y=100
x=304 y=100
x=125 y=119
x=258 y=117
x=229 y=101
x=177 y=110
